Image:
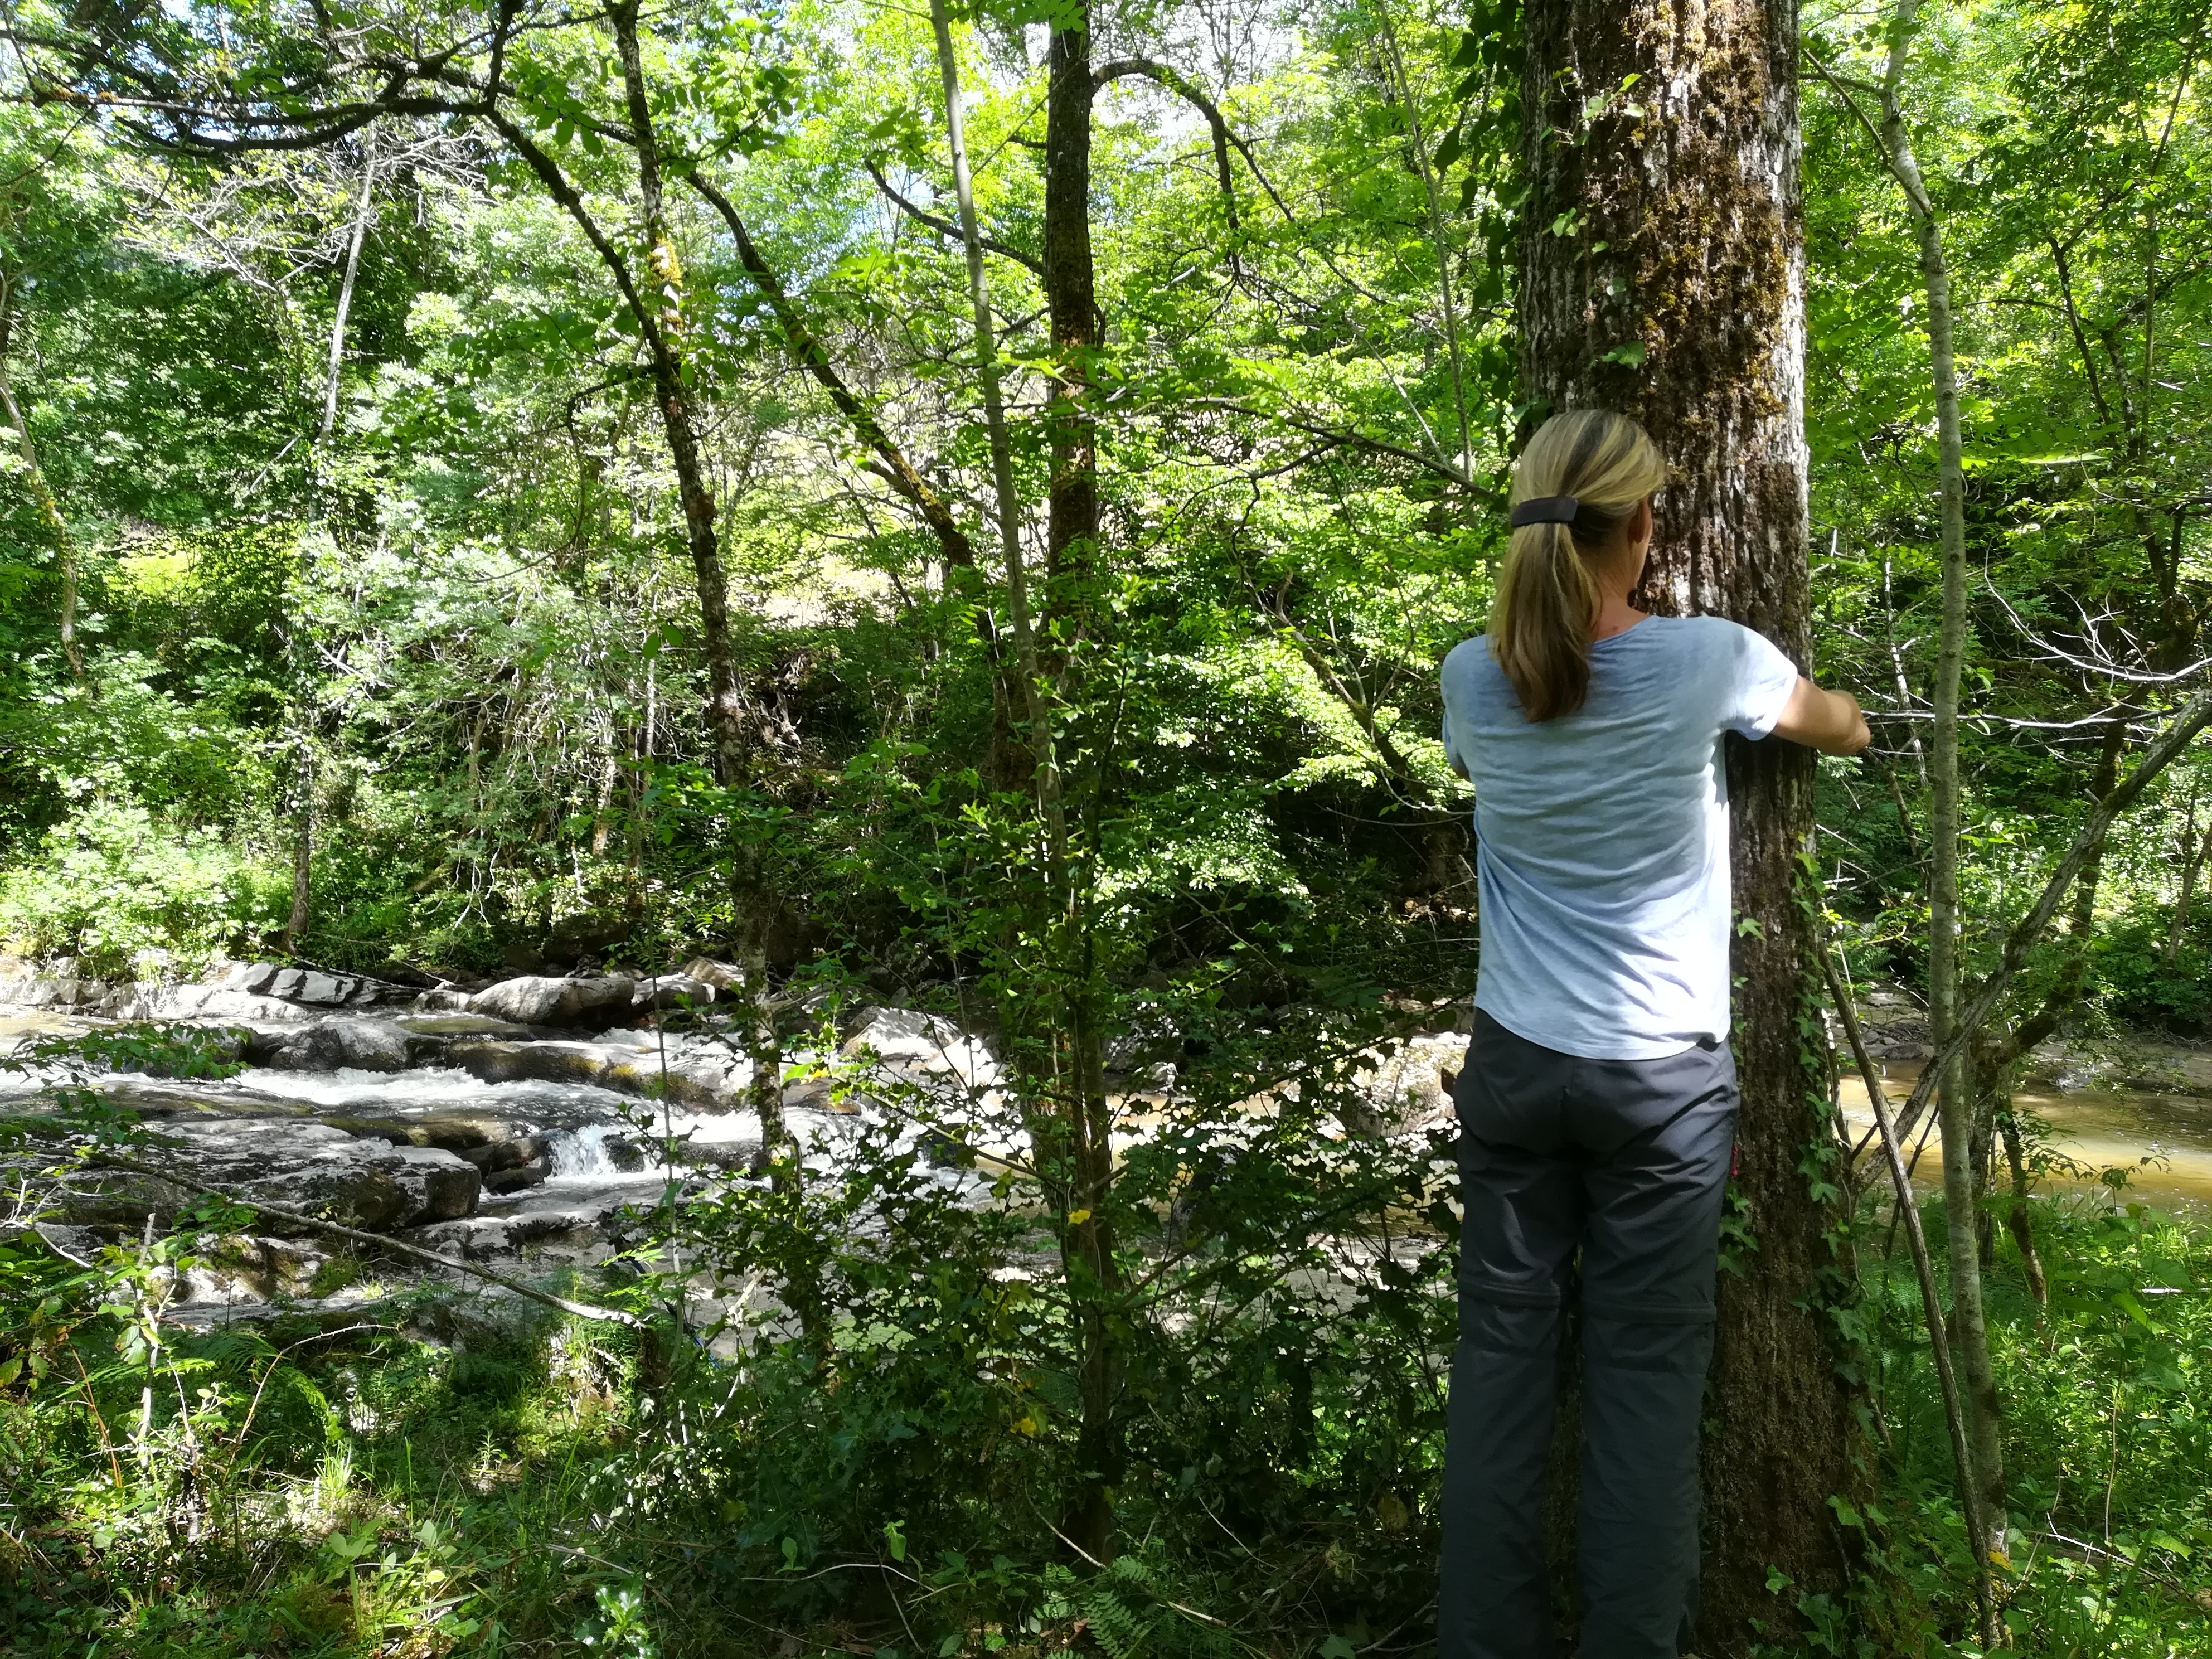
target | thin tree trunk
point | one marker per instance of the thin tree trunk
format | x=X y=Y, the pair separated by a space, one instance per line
x=2017 y=1219
x=1957 y=1104
x=1676 y=296
x=303 y=700
x=725 y=718
x=1035 y=692
x=1071 y=536
x=49 y=508
x=752 y=905
x=2194 y=849
x=1931 y=1304
x=1423 y=164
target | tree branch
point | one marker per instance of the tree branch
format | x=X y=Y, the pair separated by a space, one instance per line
x=899 y=472
x=1184 y=87
x=2088 y=841
x=946 y=228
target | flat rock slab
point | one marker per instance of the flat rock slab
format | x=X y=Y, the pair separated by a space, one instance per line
x=366 y=1183
x=568 y=1223
x=458 y=1025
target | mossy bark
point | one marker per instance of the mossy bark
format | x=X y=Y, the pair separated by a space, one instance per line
x=1662 y=275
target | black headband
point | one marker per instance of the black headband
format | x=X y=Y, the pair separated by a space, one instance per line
x=1546 y=509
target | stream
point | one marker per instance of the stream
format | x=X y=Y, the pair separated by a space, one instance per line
x=526 y=1124
x=2097 y=1127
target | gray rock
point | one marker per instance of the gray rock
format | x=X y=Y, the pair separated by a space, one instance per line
x=535 y=1000
x=458 y=1024
x=461 y=1132
x=502 y=1155
x=440 y=1185
x=722 y=975
x=367 y=1045
x=329 y=988
x=519 y=1177
x=625 y=1070
x=211 y=1002
x=673 y=991
x=366 y=1183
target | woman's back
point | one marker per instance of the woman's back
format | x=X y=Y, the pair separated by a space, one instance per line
x=1602 y=834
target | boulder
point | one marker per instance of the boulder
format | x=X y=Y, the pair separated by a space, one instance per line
x=519 y=1177
x=329 y=1045
x=623 y=1069
x=535 y=1000
x=722 y=975
x=211 y=1002
x=673 y=991
x=460 y=1134
x=440 y=1185
x=931 y=1041
x=1406 y=1088
x=366 y=1183
x=499 y=1156
x=454 y=1026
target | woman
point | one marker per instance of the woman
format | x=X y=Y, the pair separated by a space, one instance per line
x=1597 y=1109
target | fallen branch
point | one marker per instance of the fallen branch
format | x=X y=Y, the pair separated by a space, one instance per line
x=2080 y=1550
x=580 y=1309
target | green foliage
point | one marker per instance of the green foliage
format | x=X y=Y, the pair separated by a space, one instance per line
x=124 y=894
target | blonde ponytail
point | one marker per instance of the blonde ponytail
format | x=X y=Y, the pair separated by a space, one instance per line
x=1548 y=598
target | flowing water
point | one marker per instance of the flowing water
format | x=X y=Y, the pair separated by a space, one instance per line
x=2163 y=1141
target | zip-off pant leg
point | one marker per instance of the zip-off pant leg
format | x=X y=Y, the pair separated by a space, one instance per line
x=1625 y=1161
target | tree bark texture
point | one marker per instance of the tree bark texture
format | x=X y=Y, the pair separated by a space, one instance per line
x=1662 y=275
x=1071 y=296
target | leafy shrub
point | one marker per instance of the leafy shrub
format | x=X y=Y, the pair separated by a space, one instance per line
x=2140 y=985
x=114 y=882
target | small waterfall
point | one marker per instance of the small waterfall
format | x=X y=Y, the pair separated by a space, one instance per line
x=582 y=1153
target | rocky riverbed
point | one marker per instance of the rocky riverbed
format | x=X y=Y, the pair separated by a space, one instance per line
x=517 y=1124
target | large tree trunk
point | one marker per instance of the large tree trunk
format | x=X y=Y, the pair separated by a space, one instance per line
x=1662 y=275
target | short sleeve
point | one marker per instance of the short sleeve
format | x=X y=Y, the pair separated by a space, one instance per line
x=1761 y=687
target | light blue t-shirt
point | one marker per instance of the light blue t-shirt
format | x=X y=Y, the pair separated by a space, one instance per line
x=1602 y=836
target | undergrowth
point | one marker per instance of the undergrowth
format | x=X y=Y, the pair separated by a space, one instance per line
x=570 y=1488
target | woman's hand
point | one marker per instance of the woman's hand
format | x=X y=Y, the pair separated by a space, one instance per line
x=1829 y=721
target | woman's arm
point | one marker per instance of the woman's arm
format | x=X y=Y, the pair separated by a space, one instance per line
x=1829 y=721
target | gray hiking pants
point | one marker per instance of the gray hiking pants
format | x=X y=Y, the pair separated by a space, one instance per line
x=1625 y=1161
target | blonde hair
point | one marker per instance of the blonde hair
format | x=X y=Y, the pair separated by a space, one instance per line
x=1548 y=600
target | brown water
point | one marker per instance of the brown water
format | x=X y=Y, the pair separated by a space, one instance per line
x=2098 y=1128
